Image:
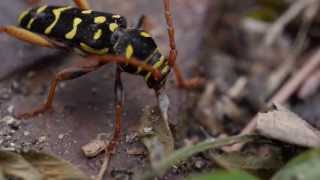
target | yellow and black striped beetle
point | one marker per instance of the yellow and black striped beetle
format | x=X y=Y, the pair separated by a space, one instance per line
x=102 y=38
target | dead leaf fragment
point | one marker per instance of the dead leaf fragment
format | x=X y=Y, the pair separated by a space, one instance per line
x=284 y=125
x=249 y=161
x=94 y=147
x=159 y=142
x=15 y=166
x=53 y=168
x=36 y=166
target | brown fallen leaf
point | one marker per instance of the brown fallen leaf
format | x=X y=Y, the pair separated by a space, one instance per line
x=52 y=167
x=250 y=161
x=284 y=125
x=14 y=166
x=94 y=147
x=37 y=166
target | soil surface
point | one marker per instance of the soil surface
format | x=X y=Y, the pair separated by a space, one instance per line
x=84 y=108
x=214 y=41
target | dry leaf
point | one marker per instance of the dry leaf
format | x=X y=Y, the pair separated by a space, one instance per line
x=94 y=147
x=284 y=125
x=248 y=161
x=53 y=168
x=15 y=166
x=303 y=167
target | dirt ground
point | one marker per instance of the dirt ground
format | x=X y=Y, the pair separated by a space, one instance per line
x=83 y=108
x=212 y=43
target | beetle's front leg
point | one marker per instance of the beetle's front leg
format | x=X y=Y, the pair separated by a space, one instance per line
x=32 y=2
x=82 y=4
x=181 y=82
x=112 y=146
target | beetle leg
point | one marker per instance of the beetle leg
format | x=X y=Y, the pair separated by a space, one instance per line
x=132 y=61
x=112 y=146
x=33 y=1
x=182 y=83
x=66 y=74
x=82 y=4
x=26 y=36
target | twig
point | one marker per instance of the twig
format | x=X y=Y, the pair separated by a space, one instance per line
x=299 y=45
x=291 y=86
x=310 y=86
x=285 y=92
x=294 y=10
x=104 y=167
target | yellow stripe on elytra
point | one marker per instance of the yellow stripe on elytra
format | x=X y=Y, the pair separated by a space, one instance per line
x=156 y=65
x=116 y=16
x=22 y=15
x=146 y=78
x=56 y=13
x=97 y=34
x=113 y=27
x=100 y=19
x=165 y=70
x=92 y=50
x=86 y=11
x=73 y=32
x=129 y=52
x=147 y=60
x=145 y=34
x=159 y=63
x=39 y=10
x=30 y=23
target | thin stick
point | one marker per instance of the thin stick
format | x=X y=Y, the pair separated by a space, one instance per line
x=285 y=92
x=104 y=166
x=277 y=27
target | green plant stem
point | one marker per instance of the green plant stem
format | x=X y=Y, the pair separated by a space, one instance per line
x=186 y=152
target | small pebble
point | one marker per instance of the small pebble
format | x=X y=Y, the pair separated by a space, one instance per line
x=5 y=96
x=26 y=133
x=147 y=130
x=31 y=74
x=130 y=138
x=12 y=131
x=42 y=139
x=94 y=147
x=10 y=109
x=61 y=136
x=199 y=164
x=15 y=86
x=8 y=120
x=94 y=90
x=62 y=85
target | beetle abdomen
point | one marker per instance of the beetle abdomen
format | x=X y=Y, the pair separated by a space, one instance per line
x=87 y=30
